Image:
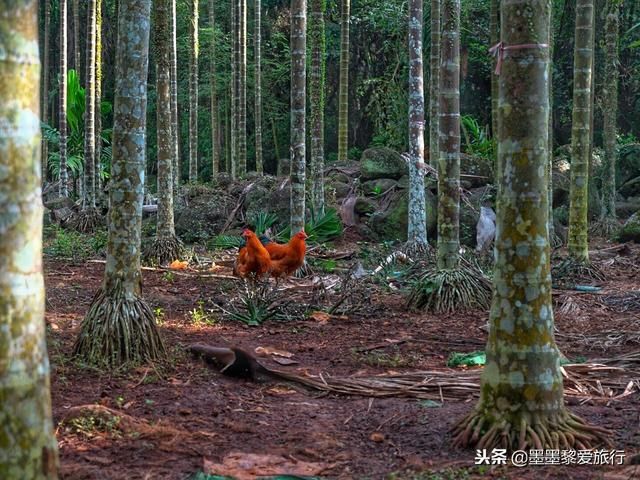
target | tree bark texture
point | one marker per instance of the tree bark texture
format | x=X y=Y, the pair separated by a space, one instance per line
x=28 y=445
x=317 y=102
x=449 y=139
x=343 y=97
x=193 y=92
x=580 y=132
x=298 y=111
x=417 y=224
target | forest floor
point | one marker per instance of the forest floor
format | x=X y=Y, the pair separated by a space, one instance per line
x=180 y=417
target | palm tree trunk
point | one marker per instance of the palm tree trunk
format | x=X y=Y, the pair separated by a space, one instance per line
x=89 y=198
x=581 y=136
x=193 y=93
x=98 y=97
x=29 y=447
x=215 y=153
x=235 y=54
x=242 y=89
x=343 y=98
x=119 y=327
x=257 y=34
x=316 y=102
x=45 y=83
x=434 y=62
x=166 y=247
x=494 y=31
x=449 y=139
x=76 y=36
x=298 y=111
x=417 y=225
x=521 y=402
x=175 y=125
x=610 y=97
x=62 y=109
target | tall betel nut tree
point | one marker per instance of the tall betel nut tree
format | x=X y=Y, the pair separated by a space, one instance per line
x=521 y=402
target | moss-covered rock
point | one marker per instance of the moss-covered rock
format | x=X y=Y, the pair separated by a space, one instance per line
x=382 y=162
x=378 y=186
x=364 y=207
x=631 y=188
x=631 y=229
x=391 y=224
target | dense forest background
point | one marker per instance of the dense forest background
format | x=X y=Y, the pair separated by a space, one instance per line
x=378 y=75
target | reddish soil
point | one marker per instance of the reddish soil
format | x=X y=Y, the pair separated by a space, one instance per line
x=199 y=415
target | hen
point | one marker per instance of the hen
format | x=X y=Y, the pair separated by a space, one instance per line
x=253 y=258
x=287 y=258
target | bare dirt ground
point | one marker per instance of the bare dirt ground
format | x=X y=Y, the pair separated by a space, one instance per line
x=182 y=414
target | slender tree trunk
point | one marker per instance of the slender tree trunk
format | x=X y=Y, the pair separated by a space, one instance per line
x=235 y=55
x=343 y=98
x=449 y=139
x=119 y=326
x=316 y=102
x=45 y=83
x=98 y=97
x=521 y=402
x=276 y=148
x=62 y=94
x=242 y=89
x=417 y=225
x=257 y=34
x=175 y=125
x=610 y=97
x=494 y=31
x=215 y=153
x=581 y=136
x=166 y=247
x=434 y=62
x=298 y=107
x=29 y=447
x=76 y=36
x=229 y=143
x=89 y=198
x=552 y=236
x=193 y=92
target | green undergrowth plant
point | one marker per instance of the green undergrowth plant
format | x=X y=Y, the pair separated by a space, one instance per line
x=70 y=244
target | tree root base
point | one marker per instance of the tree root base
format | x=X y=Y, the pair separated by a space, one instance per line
x=163 y=250
x=605 y=228
x=447 y=291
x=86 y=220
x=570 y=271
x=118 y=329
x=416 y=250
x=563 y=431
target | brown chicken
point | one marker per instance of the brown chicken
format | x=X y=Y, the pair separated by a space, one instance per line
x=253 y=259
x=287 y=258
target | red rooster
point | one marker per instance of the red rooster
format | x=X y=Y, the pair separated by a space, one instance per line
x=253 y=258
x=287 y=258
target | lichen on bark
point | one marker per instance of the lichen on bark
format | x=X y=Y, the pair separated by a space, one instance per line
x=580 y=133
x=417 y=222
x=521 y=404
x=298 y=112
x=165 y=247
x=120 y=327
x=28 y=448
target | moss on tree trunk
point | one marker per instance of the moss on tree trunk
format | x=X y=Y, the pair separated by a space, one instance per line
x=28 y=448
x=298 y=112
x=316 y=102
x=521 y=404
x=581 y=132
x=119 y=326
x=417 y=224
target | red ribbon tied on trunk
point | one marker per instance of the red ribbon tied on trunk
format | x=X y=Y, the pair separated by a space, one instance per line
x=499 y=48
